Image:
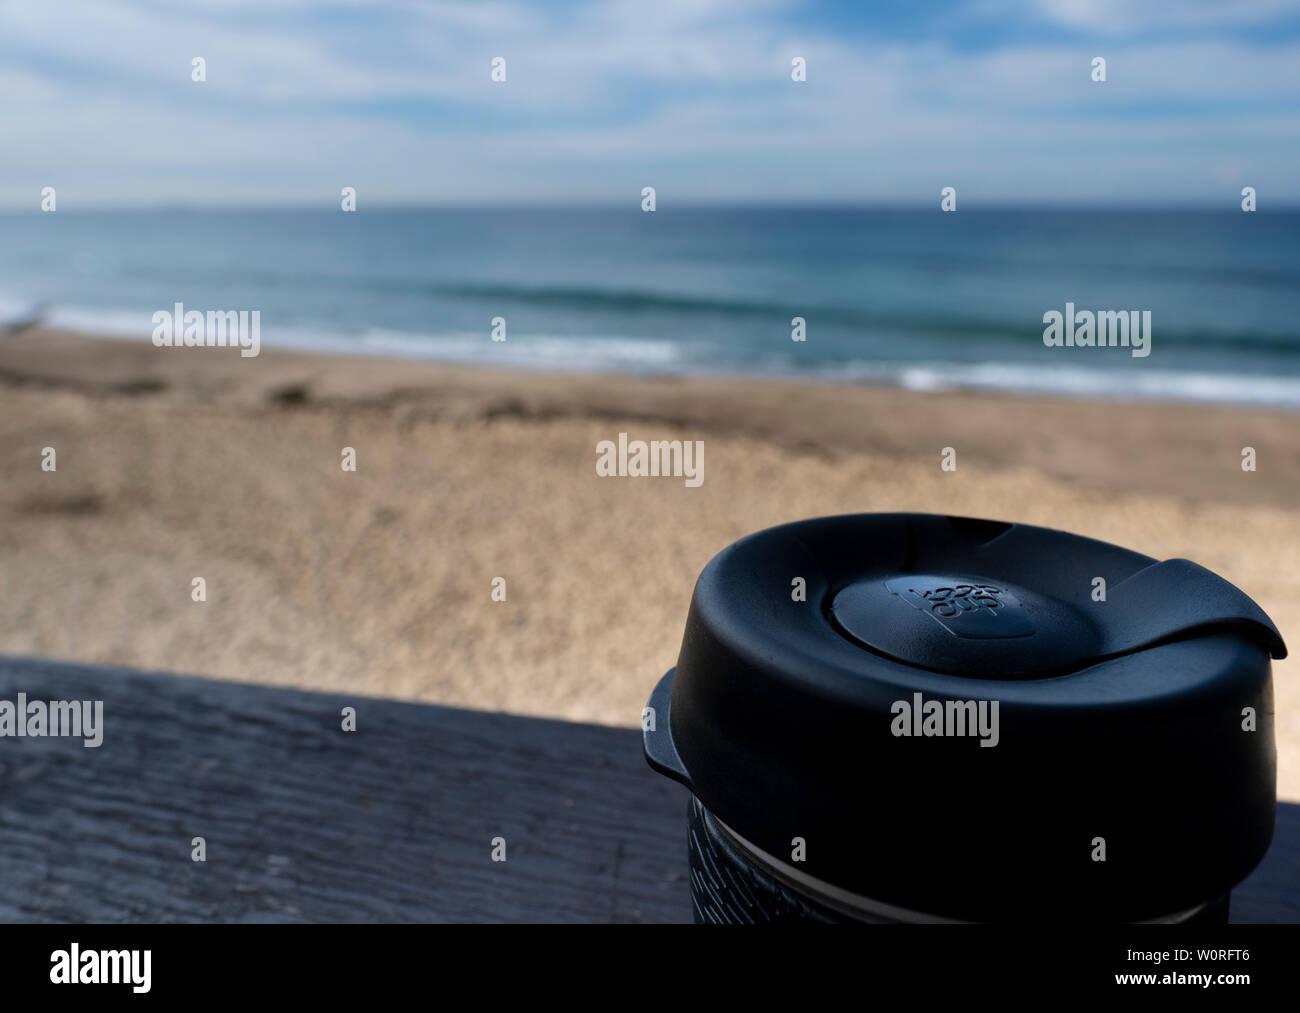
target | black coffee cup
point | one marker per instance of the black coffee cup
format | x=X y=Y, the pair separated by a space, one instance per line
x=912 y=717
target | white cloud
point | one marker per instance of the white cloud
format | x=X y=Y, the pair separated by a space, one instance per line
x=599 y=99
x=1117 y=17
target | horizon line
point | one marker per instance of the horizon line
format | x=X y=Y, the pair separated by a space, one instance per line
x=754 y=204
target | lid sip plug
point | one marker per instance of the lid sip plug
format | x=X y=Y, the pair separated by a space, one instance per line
x=972 y=720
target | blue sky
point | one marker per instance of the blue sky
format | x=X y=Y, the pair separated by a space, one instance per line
x=693 y=97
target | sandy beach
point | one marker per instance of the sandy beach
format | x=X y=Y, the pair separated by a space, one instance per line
x=174 y=464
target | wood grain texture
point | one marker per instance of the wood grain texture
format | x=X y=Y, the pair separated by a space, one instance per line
x=1271 y=893
x=305 y=822
x=394 y=822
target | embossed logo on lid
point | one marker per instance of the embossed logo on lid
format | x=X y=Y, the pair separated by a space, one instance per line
x=963 y=607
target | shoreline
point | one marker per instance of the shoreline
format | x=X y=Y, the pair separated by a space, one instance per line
x=1074 y=377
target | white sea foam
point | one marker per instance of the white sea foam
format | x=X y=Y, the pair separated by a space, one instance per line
x=540 y=351
x=1117 y=383
x=621 y=353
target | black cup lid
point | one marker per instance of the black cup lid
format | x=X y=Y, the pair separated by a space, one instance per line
x=994 y=628
x=829 y=669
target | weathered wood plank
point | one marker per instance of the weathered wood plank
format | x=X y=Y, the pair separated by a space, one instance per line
x=303 y=821
x=1272 y=892
x=394 y=822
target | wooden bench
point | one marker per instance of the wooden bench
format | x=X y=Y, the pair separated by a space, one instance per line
x=393 y=822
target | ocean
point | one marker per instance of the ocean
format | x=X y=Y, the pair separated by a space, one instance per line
x=912 y=297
